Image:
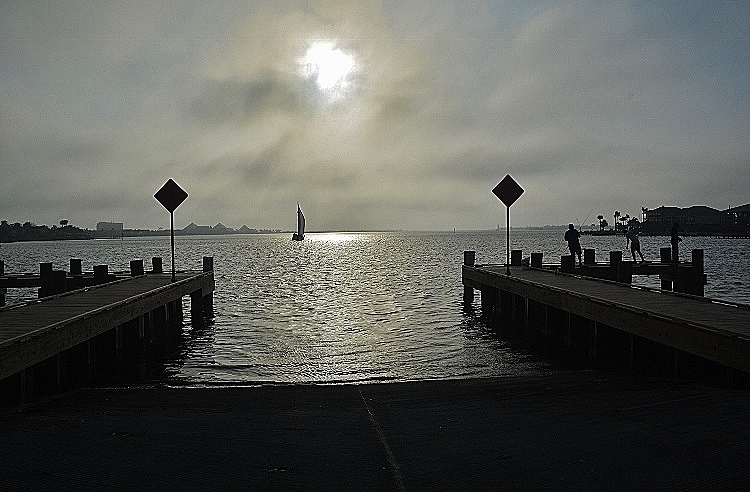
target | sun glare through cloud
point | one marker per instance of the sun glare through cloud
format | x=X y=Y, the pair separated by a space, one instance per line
x=375 y=115
x=329 y=67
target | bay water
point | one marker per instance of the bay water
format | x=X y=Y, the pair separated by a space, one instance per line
x=354 y=307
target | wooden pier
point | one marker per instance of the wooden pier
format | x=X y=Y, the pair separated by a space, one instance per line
x=46 y=343
x=607 y=321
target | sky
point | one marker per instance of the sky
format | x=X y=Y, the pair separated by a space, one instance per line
x=372 y=115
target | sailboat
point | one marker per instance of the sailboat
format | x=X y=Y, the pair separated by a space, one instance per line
x=300 y=234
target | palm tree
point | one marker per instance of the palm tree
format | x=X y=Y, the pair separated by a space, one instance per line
x=616 y=215
x=624 y=219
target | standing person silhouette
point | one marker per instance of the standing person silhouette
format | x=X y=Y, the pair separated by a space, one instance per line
x=634 y=242
x=675 y=240
x=574 y=245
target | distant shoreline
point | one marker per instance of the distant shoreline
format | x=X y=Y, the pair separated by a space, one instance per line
x=44 y=233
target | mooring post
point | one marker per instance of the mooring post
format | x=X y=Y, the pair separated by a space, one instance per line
x=156 y=264
x=615 y=258
x=75 y=266
x=690 y=277
x=136 y=268
x=490 y=299
x=101 y=274
x=589 y=256
x=45 y=278
x=665 y=256
x=58 y=282
x=536 y=260
x=196 y=307
x=516 y=257
x=208 y=299
x=469 y=259
x=625 y=272
x=567 y=263
x=3 y=289
x=698 y=276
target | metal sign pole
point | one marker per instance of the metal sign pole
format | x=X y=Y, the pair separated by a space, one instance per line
x=170 y=196
x=171 y=228
x=507 y=246
x=508 y=192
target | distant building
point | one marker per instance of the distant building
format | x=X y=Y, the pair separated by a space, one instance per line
x=109 y=229
x=697 y=219
x=738 y=218
x=193 y=228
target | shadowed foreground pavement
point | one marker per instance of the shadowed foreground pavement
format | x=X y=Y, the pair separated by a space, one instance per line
x=569 y=430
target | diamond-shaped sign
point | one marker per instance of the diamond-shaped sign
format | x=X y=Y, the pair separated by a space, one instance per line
x=171 y=195
x=508 y=190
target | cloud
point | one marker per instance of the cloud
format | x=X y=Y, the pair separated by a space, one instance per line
x=587 y=104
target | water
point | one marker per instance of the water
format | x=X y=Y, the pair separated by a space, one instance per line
x=353 y=307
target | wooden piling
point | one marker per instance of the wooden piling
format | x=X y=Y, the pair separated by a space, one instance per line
x=665 y=256
x=58 y=281
x=75 y=266
x=208 y=298
x=156 y=264
x=136 y=268
x=699 y=278
x=588 y=318
x=92 y=335
x=45 y=278
x=469 y=259
x=589 y=256
x=516 y=257
x=615 y=258
x=101 y=274
x=536 y=260
x=2 y=289
x=567 y=263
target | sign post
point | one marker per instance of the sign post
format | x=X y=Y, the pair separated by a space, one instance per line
x=171 y=196
x=508 y=192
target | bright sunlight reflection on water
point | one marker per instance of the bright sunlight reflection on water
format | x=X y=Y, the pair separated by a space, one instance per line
x=345 y=307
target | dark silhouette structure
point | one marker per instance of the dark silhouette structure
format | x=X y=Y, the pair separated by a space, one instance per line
x=675 y=240
x=572 y=236
x=634 y=242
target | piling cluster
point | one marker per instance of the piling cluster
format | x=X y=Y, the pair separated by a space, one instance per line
x=95 y=327
x=588 y=313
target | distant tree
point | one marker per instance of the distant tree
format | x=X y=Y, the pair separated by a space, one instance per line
x=63 y=223
x=601 y=218
x=604 y=224
x=624 y=219
x=616 y=215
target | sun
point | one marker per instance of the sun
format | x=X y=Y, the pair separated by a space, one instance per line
x=329 y=67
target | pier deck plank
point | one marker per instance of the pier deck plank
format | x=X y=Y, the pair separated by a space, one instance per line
x=38 y=330
x=705 y=327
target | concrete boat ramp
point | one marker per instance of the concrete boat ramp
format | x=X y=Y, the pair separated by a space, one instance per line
x=567 y=430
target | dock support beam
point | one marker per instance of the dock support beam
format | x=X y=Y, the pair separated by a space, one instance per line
x=469 y=259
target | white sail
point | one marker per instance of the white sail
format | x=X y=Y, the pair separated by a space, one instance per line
x=300 y=221
x=300 y=234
